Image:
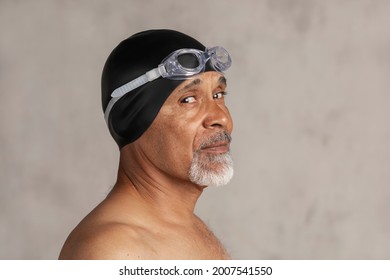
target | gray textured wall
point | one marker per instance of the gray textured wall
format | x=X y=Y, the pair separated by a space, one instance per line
x=309 y=92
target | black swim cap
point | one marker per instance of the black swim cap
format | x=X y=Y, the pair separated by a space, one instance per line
x=132 y=114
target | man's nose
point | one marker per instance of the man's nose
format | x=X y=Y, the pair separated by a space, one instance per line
x=217 y=116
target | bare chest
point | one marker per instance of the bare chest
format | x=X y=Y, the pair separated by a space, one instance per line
x=195 y=243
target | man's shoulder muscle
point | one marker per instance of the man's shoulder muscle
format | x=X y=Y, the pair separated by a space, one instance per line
x=109 y=241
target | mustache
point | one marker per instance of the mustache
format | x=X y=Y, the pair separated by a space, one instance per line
x=222 y=136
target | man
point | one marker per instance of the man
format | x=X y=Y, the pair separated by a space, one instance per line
x=163 y=97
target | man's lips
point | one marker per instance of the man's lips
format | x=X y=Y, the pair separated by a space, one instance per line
x=217 y=148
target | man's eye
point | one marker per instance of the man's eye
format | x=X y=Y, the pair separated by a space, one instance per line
x=219 y=95
x=188 y=99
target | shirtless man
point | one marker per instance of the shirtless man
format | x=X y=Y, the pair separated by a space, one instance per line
x=173 y=130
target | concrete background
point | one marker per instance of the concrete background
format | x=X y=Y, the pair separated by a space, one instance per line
x=309 y=92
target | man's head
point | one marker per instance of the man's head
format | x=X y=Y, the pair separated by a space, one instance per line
x=179 y=123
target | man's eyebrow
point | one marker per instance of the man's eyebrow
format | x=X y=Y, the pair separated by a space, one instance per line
x=193 y=83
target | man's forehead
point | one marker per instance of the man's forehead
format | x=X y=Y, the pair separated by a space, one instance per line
x=221 y=80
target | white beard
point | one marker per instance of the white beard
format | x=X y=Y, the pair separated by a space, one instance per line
x=215 y=170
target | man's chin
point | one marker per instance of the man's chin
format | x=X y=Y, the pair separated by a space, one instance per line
x=222 y=179
x=212 y=170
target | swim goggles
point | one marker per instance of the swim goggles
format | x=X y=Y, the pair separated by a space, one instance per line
x=174 y=67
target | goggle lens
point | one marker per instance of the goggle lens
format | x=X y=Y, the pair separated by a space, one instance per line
x=220 y=58
x=188 y=60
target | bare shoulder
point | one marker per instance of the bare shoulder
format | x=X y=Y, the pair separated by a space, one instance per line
x=111 y=241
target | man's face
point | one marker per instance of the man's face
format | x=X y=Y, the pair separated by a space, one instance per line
x=190 y=137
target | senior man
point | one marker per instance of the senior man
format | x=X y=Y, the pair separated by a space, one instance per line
x=163 y=97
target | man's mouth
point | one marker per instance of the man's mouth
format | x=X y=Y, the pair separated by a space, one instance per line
x=217 y=148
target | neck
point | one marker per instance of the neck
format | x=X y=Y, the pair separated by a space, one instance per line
x=156 y=192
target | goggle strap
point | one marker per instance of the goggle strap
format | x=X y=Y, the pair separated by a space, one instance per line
x=153 y=74
x=119 y=92
x=147 y=77
x=109 y=107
